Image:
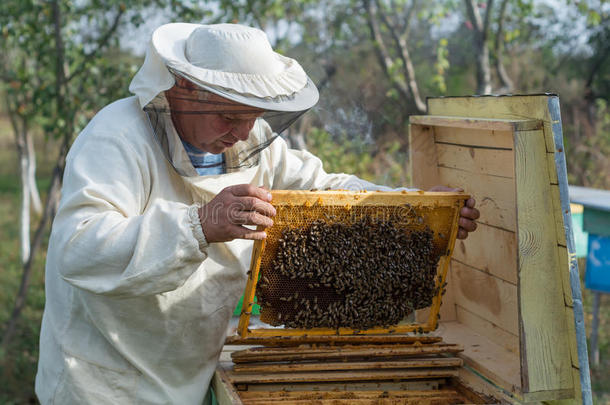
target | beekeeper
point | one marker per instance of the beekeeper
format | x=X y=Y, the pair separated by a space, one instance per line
x=150 y=246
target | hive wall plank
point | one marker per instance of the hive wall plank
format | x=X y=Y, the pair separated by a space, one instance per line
x=472 y=159
x=495 y=195
x=507 y=108
x=546 y=365
x=225 y=392
x=491 y=250
x=487 y=296
x=577 y=399
x=493 y=332
x=564 y=273
x=423 y=157
x=560 y=230
x=572 y=336
x=475 y=137
x=475 y=123
x=552 y=168
x=497 y=364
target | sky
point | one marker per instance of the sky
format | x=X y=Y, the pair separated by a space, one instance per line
x=137 y=39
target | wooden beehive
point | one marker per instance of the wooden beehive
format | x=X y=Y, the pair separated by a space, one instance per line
x=513 y=301
x=412 y=211
x=509 y=298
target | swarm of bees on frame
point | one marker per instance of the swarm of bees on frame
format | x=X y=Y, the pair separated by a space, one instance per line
x=368 y=273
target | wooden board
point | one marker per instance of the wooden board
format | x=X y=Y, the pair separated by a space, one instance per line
x=423 y=151
x=335 y=376
x=564 y=273
x=506 y=108
x=546 y=365
x=495 y=195
x=493 y=124
x=472 y=379
x=499 y=140
x=490 y=250
x=487 y=296
x=550 y=157
x=476 y=160
x=445 y=396
x=225 y=392
x=490 y=330
x=313 y=395
x=493 y=361
x=355 y=365
x=427 y=384
x=282 y=341
x=339 y=353
x=346 y=394
x=342 y=198
x=441 y=400
x=560 y=230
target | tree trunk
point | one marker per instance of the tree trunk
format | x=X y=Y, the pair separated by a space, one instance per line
x=34 y=194
x=52 y=198
x=483 y=68
x=24 y=230
x=407 y=85
x=50 y=207
x=481 y=31
x=506 y=84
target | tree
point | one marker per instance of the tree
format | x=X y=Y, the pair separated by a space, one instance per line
x=481 y=33
x=399 y=27
x=56 y=70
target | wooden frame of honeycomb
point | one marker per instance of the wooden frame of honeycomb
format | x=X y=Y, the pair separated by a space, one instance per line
x=436 y=211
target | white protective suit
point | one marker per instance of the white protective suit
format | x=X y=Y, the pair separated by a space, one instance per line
x=137 y=303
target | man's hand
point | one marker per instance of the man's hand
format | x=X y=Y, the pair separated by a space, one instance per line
x=224 y=217
x=468 y=213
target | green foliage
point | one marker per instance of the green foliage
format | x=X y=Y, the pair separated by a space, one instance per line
x=321 y=35
x=18 y=364
x=59 y=60
x=591 y=154
x=352 y=155
x=441 y=65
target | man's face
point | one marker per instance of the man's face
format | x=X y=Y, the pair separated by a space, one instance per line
x=207 y=121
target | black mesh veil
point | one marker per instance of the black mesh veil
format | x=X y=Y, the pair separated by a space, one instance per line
x=203 y=101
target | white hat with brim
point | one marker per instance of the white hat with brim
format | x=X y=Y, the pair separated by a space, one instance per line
x=231 y=60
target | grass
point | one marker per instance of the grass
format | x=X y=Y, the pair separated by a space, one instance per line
x=18 y=364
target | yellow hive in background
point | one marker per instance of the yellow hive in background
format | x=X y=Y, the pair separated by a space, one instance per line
x=411 y=211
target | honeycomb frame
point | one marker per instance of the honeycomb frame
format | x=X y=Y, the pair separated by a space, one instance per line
x=439 y=212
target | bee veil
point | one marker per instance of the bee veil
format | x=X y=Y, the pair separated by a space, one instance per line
x=234 y=70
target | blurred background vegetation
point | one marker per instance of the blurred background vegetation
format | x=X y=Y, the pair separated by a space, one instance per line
x=375 y=62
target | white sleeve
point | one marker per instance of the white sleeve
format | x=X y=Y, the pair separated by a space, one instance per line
x=301 y=170
x=109 y=237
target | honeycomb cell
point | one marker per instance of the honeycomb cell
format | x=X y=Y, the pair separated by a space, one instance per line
x=350 y=266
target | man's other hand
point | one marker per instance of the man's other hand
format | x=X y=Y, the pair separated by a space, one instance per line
x=224 y=217
x=468 y=214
